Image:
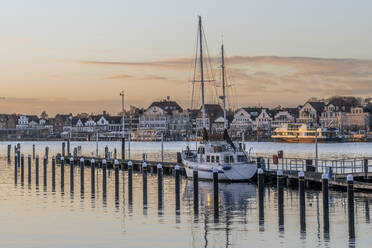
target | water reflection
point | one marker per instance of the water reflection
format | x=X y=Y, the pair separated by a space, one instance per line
x=234 y=225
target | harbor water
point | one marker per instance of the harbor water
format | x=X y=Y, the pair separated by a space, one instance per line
x=42 y=216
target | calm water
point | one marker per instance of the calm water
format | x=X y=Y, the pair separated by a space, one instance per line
x=34 y=216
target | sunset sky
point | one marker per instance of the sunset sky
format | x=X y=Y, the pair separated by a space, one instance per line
x=76 y=56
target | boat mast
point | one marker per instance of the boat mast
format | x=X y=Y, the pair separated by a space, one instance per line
x=201 y=70
x=223 y=88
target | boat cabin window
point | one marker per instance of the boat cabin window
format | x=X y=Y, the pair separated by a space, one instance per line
x=231 y=159
x=212 y=159
x=208 y=158
x=241 y=158
x=217 y=159
x=226 y=159
x=201 y=150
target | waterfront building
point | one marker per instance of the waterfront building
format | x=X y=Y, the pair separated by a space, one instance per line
x=212 y=112
x=357 y=119
x=165 y=116
x=310 y=112
x=287 y=115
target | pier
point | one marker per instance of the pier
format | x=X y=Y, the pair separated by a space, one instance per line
x=351 y=175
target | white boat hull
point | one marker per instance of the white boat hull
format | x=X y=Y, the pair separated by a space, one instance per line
x=237 y=172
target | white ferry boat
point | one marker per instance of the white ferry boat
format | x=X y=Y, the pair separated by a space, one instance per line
x=229 y=159
x=304 y=133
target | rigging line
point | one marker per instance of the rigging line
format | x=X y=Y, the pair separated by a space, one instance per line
x=208 y=55
x=194 y=64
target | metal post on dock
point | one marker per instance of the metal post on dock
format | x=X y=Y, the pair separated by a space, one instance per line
x=160 y=186
x=196 y=189
x=63 y=149
x=15 y=167
x=116 y=182
x=33 y=151
x=92 y=176
x=53 y=174
x=82 y=175
x=325 y=202
x=144 y=183
x=45 y=170
x=37 y=170
x=130 y=183
x=177 y=179
x=22 y=168
x=280 y=183
x=301 y=189
x=350 y=204
x=29 y=169
x=104 y=178
x=62 y=174
x=115 y=153
x=261 y=190
x=71 y=175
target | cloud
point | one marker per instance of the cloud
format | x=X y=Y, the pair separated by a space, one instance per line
x=269 y=80
x=153 y=77
x=180 y=62
x=119 y=76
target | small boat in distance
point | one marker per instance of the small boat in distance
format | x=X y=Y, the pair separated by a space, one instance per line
x=304 y=133
x=227 y=158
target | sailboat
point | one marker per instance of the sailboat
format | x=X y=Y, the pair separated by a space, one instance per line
x=228 y=158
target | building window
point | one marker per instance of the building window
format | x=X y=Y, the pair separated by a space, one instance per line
x=217 y=159
x=208 y=159
x=212 y=159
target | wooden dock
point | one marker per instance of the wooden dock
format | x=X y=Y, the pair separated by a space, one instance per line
x=290 y=167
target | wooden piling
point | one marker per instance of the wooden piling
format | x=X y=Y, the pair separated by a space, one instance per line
x=62 y=174
x=63 y=149
x=325 y=202
x=9 y=151
x=365 y=165
x=116 y=182
x=29 y=169
x=92 y=177
x=104 y=178
x=15 y=167
x=301 y=190
x=53 y=174
x=37 y=170
x=22 y=169
x=177 y=168
x=261 y=190
x=130 y=183
x=280 y=182
x=196 y=189
x=144 y=183
x=45 y=170
x=71 y=175
x=350 y=204
x=160 y=186
x=82 y=175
